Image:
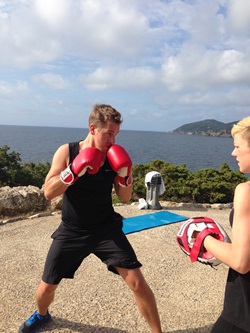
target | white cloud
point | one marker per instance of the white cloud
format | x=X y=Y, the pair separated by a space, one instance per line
x=11 y=89
x=239 y=16
x=51 y=80
x=5 y=89
x=52 y=12
x=133 y=112
x=119 y=78
x=206 y=69
x=43 y=31
x=234 y=67
x=156 y=58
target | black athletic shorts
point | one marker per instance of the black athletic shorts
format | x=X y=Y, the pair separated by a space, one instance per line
x=67 y=252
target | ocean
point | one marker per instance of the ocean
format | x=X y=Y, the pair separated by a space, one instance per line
x=38 y=145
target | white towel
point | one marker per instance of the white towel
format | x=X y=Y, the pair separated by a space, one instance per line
x=142 y=204
x=148 y=179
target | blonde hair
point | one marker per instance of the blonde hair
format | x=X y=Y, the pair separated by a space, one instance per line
x=243 y=126
x=101 y=113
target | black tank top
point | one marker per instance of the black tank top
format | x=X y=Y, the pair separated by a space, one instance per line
x=87 y=204
x=237 y=297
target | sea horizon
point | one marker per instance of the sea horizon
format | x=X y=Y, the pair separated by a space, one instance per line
x=38 y=144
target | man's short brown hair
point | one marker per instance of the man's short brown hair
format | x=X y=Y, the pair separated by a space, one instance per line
x=101 y=113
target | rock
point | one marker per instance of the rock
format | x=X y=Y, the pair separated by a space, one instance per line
x=222 y=206
x=20 y=200
x=29 y=200
x=56 y=203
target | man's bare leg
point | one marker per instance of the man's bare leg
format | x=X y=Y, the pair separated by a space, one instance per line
x=144 y=296
x=44 y=297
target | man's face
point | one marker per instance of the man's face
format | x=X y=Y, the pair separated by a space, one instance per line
x=104 y=137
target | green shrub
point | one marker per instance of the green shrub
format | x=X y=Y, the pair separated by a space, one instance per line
x=181 y=185
x=15 y=173
x=204 y=186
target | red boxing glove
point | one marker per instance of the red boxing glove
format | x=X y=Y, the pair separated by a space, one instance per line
x=88 y=159
x=121 y=163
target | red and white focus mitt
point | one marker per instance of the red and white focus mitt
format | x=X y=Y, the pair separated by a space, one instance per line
x=191 y=235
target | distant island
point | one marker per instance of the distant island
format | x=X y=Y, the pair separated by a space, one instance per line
x=208 y=127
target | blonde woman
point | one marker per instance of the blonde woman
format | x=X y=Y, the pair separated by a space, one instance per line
x=235 y=316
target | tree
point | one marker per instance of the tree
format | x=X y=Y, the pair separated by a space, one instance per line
x=15 y=173
x=9 y=166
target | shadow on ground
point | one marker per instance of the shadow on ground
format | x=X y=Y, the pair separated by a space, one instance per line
x=65 y=325
x=204 y=329
x=60 y=324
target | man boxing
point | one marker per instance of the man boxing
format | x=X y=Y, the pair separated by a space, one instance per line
x=85 y=173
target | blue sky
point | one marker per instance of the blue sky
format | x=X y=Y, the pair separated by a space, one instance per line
x=162 y=64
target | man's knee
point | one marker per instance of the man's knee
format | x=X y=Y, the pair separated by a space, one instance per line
x=134 y=279
x=138 y=285
x=46 y=288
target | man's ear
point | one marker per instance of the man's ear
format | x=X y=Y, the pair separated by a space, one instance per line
x=92 y=128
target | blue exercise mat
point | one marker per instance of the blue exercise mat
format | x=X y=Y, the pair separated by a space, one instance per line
x=148 y=221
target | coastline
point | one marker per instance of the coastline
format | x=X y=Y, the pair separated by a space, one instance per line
x=189 y=295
